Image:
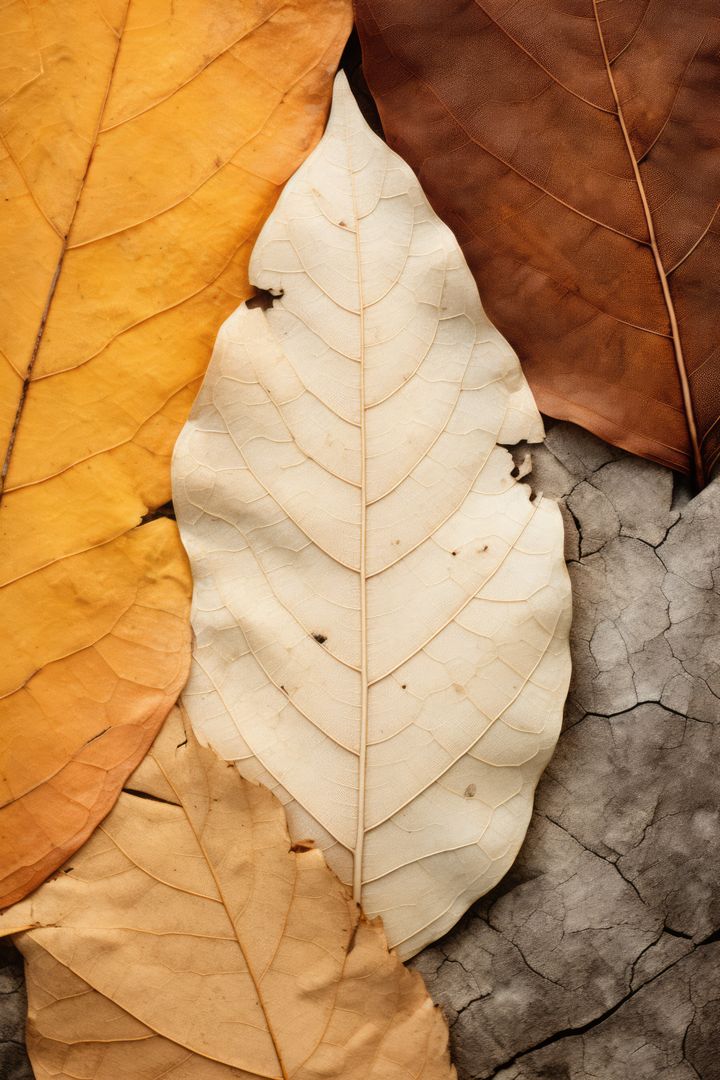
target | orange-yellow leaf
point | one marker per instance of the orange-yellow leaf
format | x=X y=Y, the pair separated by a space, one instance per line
x=142 y=147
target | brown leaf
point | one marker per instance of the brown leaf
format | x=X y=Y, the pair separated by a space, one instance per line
x=142 y=147
x=573 y=150
x=187 y=941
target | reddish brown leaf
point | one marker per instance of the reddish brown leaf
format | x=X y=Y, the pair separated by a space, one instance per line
x=573 y=148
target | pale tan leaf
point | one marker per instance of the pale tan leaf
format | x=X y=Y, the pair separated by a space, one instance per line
x=381 y=611
x=187 y=941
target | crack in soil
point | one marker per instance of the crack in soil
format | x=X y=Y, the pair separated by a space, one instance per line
x=582 y=1029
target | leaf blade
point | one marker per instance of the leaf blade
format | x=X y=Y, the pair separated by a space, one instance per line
x=131 y=204
x=273 y=970
x=355 y=537
x=585 y=190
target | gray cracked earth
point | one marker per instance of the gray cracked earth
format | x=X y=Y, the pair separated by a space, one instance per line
x=598 y=956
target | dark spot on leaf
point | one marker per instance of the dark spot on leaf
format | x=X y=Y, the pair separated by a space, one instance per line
x=470 y=791
x=218 y=162
x=183 y=743
x=342 y=224
x=453 y=552
x=320 y=638
x=98 y=735
x=68 y=869
x=149 y=797
x=264 y=299
x=283 y=690
x=483 y=549
x=302 y=845
x=167 y=510
x=404 y=686
x=353 y=935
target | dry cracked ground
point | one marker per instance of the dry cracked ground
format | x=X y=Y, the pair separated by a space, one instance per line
x=598 y=956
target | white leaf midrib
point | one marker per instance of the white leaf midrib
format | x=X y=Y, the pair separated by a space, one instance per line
x=364 y=685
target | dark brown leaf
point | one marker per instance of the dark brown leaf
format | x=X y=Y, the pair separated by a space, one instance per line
x=573 y=148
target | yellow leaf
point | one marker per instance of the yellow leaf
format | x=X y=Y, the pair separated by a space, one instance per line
x=142 y=147
x=188 y=940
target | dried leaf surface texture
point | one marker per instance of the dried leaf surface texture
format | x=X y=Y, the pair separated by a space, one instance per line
x=131 y=201
x=380 y=609
x=573 y=150
x=186 y=939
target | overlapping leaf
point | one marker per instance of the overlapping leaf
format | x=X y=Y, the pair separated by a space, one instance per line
x=380 y=609
x=187 y=940
x=573 y=150
x=142 y=146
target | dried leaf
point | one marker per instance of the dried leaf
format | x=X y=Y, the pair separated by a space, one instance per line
x=186 y=940
x=381 y=611
x=143 y=147
x=573 y=149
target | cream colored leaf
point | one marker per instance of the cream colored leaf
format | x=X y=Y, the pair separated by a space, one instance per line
x=186 y=941
x=381 y=612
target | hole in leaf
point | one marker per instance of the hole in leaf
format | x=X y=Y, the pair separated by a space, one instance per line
x=264 y=298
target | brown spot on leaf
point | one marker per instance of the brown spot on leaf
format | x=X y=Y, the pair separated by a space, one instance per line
x=167 y=510
x=302 y=845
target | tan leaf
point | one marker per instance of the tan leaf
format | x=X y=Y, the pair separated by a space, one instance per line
x=381 y=611
x=187 y=941
x=141 y=148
